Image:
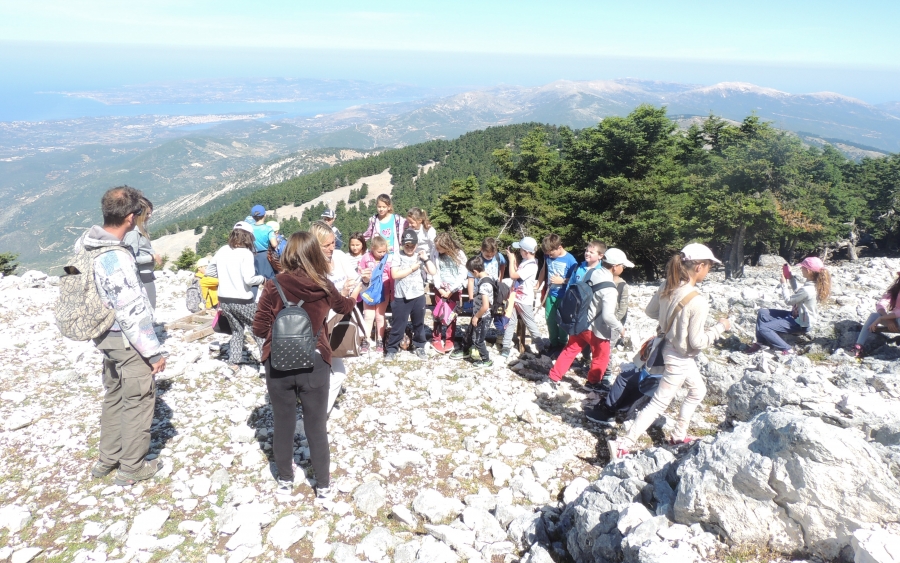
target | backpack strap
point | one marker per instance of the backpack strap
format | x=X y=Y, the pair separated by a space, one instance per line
x=681 y=305
x=599 y=286
x=283 y=298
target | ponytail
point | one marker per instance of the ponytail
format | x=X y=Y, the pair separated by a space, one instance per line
x=677 y=274
x=823 y=285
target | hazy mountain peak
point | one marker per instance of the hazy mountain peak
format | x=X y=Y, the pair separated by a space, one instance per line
x=726 y=88
x=835 y=97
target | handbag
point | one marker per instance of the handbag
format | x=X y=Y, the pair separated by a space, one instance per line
x=220 y=323
x=346 y=334
x=651 y=350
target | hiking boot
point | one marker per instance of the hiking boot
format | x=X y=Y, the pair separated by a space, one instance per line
x=101 y=469
x=483 y=363
x=459 y=354
x=390 y=356
x=504 y=352
x=148 y=470
x=601 y=415
x=420 y=352
x=595 y=387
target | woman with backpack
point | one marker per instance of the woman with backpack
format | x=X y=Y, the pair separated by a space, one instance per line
x=138 y=240
x=237 y=280
x=303 y=280
x=679 y=307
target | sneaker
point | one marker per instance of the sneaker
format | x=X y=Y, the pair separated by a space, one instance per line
x=595 y=387
x=683 y=441
x=364 y=347
x=857 y=351
x=148 y=470
x=504 y=352
x=420 y=352
x=753 y=348
x=390 y=356
x=283 y=489
x=459 y=354
x=788 y=352
x=379 y=346
x=101 y=469
x=600 y=414
x=438 y=345
x=324 y=494
x=483 y=363
x=616 y=452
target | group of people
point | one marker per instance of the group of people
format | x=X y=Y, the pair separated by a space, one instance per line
x=395 y=263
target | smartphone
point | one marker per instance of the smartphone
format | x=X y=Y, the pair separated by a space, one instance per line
x=786 y=270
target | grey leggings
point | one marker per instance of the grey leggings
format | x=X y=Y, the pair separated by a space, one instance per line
x=527 y=312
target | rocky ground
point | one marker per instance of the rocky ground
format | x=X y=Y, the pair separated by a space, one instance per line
x=436 y=461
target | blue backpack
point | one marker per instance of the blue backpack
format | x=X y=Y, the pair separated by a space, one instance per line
x=572 y=315
x=374 y=294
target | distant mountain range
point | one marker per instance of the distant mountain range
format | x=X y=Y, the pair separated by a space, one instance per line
x=581 y=104
x=52 y=173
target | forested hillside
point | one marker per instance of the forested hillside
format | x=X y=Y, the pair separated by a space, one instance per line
x=636 y=182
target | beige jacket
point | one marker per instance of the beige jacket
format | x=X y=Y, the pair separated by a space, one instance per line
x=689 y=334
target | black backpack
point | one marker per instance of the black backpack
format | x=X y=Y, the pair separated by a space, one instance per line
x=293 y=339
x=501 y=296
x=572 y=315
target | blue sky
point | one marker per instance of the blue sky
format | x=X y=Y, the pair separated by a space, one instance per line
x=796 y=46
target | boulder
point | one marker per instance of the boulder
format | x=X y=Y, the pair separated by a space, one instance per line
x=788 y=481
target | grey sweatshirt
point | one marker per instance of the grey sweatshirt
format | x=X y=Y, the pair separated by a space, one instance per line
x=804 y=299
x=605 y=324
x=143 y=253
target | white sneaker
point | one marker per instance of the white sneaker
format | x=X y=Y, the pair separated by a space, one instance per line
x=324 y=495
x=283 y=489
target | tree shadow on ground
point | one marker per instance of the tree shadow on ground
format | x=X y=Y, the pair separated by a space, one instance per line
x=162 y=430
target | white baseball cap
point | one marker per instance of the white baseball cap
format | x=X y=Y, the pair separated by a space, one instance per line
x=697 y=251
x=527 y=244
x=616 y=257
x=275 y=226
x=244 y=226
x=202 y=262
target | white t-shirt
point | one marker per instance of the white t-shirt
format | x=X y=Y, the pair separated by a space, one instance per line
x=486 y=291
x=341 y=270
x=411 y=286
x=426 y=241
x=524 y=286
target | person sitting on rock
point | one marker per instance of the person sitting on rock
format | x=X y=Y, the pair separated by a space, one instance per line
x=678 y=306
x=803 y=314
x=884 y=319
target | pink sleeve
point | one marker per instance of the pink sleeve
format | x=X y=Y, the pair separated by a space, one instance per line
x=884 y=304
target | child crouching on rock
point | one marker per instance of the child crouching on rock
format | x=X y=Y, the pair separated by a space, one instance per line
x=803 y=313
x=887 y=311
x=679 y=307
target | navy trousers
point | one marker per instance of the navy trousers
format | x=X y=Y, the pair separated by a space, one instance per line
x=771 y=322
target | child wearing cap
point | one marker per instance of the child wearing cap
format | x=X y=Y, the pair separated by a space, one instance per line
x=682 y=310
x=559 y=267
x=263 y=239
x=209 y=285
x=328 y=217
x=409 y=295
x=524 y=276
x=605 y=328
x=803 y=314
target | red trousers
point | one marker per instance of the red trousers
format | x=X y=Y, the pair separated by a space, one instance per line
x=599 y=356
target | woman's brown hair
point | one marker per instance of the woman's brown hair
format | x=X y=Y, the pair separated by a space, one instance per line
x=239 y=238
x=678 y=273
x=303 y=253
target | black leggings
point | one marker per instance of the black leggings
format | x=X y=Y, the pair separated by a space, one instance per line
x=311 y=386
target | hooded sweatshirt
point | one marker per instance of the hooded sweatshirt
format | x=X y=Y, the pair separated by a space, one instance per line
x=688 y=335
x=120 y=288
x=603 y=307
x=803 y=301
x=298 y=286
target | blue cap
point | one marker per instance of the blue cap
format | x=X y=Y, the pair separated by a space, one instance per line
x=258 y=211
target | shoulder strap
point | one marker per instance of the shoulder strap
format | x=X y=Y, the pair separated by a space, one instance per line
x=599 y=286
x=681 y=305
x=283 y=298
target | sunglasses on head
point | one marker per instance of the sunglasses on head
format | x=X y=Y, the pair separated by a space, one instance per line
x=138 y=212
